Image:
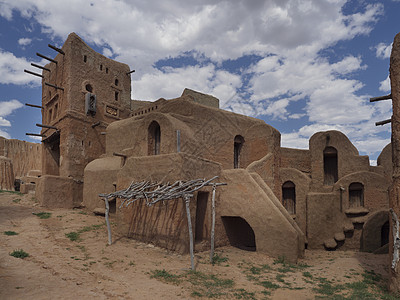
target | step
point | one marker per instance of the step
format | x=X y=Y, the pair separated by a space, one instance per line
x=330 y=244
x=348 y=227
x=356 y=211
x=339 y=237
x=359 y=220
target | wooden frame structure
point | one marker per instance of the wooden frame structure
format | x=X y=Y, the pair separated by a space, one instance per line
x=153 y=192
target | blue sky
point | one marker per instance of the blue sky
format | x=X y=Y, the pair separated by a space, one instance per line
x=302 y=66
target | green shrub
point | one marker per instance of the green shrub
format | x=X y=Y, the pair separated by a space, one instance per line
x=19 y=253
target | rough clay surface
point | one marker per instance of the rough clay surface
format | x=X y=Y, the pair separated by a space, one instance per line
x=58 y=268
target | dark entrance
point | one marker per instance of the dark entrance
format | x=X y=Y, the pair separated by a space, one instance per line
x=330 y=166
x=240 y=233
x=237 y=148
x=385 y=234
x=52 y=154
x=154 y=138
x=201 y=210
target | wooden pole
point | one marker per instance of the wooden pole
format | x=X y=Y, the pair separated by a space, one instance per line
x=178 y=141
x=40 y=67
x=107 y=220
x=46 y=126
x=187 y=201
x=386 y=97
x=212 y=223
x=383 y=122
x=33 y=73
x=33 y=105
x=54 y=86
x=57 y=49
x=45 y=57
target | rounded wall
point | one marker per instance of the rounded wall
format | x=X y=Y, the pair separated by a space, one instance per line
x=371 y=238
x=348 y=159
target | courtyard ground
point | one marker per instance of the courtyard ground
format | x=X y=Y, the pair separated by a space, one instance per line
x=68 y=258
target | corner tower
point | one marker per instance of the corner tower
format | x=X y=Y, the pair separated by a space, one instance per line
x=82 y=93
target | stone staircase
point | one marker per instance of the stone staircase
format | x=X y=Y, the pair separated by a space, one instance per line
x=352 y=228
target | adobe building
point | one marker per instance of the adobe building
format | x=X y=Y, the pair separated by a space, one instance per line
x=96 y=140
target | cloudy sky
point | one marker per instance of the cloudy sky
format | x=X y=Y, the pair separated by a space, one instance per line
x=302 y=66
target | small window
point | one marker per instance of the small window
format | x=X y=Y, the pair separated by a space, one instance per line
x=84 y=58
x=55 y=110
x=116 y=95
x=50 y=115
x=289 y=197
x=116 y=81
x=106 y=70
x=356 y=194
x=101 y=67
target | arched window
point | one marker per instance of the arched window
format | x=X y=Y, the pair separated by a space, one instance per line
x=356 y=194
x=289 y=197
x=330 y=166
x=154 y=138
x=237 y=147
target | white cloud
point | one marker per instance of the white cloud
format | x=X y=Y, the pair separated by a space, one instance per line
x=7 y=107
x=4 y=134
x=12 y=70
x=383 y=51
x=289 y=36
x=24 y=41
x=4 y=122
x=384 y=85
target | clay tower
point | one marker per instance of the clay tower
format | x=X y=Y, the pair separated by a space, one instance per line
x=82 y=92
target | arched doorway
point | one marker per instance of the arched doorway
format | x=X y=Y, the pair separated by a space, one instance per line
x=240 y=233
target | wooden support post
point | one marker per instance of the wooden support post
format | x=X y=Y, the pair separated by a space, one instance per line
x=57 y=49
x=107 y=220
x=33 y=105
x=54 y=86
x=212 y=222
x=45 y=57
x=40 y=67
x=33 y=73
x=187 y=201
x=46 y=126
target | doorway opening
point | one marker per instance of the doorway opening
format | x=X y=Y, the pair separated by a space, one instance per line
x=201 y=212
x=330 y=166
x=240 y=233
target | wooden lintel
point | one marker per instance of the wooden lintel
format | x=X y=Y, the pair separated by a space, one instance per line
x=119 y=154
x=35 y=134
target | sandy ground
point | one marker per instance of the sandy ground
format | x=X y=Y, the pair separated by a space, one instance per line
x=58 y=268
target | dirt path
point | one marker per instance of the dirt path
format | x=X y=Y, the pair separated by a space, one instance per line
x=59 y=268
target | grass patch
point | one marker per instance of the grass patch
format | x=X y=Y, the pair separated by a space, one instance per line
x=11 y=192
x=10 y=233
x=42 y=215
x=269 y=285
x=76 y=235
x=217 y=259
x=209 y=285
x=19 y=253
x=243 y=294
x=73 y=236
x=165 y=276
x=17 y=200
